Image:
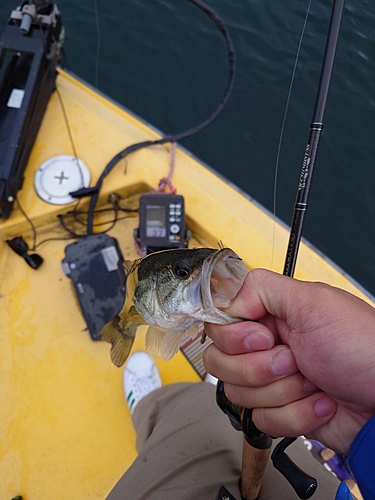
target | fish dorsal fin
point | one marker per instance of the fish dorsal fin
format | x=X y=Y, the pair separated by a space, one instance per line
x=127 y=265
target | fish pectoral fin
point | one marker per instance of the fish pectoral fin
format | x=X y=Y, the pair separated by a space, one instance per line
x=121 y=340
x=163 y=343
x=170 y=344
x=154 y=337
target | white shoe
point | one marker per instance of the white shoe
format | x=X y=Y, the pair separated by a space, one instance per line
x=141 y=376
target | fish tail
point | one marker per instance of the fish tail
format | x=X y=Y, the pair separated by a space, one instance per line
x=121 y=339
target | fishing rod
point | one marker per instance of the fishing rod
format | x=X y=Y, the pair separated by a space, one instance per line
x=316 y=128
x=257 y=446
x=280 y=460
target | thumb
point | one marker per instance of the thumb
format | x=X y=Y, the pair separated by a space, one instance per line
x=267 y=292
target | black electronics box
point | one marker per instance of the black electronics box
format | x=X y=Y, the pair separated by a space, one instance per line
x=27 y=80
x=95 y=266
x=161 y=222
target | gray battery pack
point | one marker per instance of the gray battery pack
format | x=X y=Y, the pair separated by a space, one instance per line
x=95 y=266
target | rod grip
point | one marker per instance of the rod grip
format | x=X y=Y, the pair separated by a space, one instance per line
x=254 y=462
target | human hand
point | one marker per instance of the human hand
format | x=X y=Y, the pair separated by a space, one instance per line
x=307 y=366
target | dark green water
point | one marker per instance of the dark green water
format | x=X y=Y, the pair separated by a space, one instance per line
x=165 y=61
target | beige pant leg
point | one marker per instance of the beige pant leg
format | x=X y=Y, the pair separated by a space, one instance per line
x=188 y=449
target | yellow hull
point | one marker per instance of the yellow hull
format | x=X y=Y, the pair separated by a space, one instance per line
x=65 y=431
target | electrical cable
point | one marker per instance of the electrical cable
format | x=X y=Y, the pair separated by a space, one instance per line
x=33 y=229
x=116 y=208
x=94 y=191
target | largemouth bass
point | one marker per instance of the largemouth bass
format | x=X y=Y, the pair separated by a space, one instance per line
x=174 y=291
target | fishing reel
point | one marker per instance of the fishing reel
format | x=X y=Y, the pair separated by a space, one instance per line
x=241 y=419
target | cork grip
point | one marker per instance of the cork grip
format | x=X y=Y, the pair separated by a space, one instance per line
x=254 y=462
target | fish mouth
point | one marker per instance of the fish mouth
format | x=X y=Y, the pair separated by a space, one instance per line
x=223 y=274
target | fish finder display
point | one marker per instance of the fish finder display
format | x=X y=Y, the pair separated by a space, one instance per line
x=161 y=222
x=155 y=221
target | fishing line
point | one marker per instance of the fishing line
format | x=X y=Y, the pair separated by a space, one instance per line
x=283 y=127
x=98 y=128
x=70 y=135
x=63 y=107
x=98 y=44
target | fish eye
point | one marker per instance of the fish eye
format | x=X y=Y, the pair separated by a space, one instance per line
x=182 y=270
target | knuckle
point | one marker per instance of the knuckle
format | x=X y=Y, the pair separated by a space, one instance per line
x=260 y=420
x=254 y=369
x=249 y=374
x=234 y=394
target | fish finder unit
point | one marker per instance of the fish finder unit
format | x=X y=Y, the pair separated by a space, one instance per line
x=161 y=222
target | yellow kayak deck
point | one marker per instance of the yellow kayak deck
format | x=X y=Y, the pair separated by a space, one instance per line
x=66 y=432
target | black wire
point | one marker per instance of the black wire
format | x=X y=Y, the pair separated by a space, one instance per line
x=30 y=222
x=112 y=222
x=94 y=192
x=72 y=233
x=128 y=210
x=74 y=213
x=67 y=238
x=232 y=71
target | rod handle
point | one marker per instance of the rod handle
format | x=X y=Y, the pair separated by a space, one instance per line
x=254 y=462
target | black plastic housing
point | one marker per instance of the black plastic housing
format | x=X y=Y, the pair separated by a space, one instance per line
x=28 y=73
x=95 y=266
